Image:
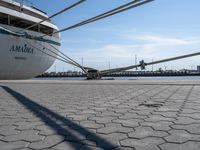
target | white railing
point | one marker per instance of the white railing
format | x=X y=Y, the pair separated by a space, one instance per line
x=24 y=2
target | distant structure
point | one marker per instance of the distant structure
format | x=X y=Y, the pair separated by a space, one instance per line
x=198 y=68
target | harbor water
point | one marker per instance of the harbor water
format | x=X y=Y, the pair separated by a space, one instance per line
x=188 y=78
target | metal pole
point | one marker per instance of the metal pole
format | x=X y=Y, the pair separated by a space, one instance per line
x=82 y=64
x=136 y=61
x=109 y=65
x=82 y=61
x=165 y=68
x=55 y=68
x=21 y=4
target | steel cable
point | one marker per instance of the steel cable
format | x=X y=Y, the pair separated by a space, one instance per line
x=104 y=15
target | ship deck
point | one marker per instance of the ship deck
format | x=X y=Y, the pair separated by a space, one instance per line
x=97 y=115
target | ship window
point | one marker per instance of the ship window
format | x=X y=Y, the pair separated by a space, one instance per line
x=3 y=18
x=22 y=23
x=46 y=30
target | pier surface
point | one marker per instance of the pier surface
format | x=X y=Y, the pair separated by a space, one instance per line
x=100 y=115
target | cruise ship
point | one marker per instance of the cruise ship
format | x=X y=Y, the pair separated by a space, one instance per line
x=25 y=52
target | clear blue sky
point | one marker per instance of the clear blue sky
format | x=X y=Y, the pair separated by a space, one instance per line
x=160 y=29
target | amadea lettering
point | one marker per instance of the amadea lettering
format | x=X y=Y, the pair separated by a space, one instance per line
x=22 y=49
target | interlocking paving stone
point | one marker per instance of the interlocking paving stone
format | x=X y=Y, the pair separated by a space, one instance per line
x=132 y=116
x=88 y=142
x=8 y=130
x=195 y=116
x=112 y=140
x=143 y=132
x=27 y=125
x=181 y=136
x=27 y=135
x=124 y=148
x=191 y=128
x=156 y=118
x=168 y=109
x=160 y=125
x=186 y=120
x=67 y=146
x=193 y=106
x=48 y=142
x=84 y=147
x=109 y=113
x=45 y=130
x=141 y=112
x=189 y=111
x=111 y=128
x=149 y=143
x=29 y=149
x=91 y=124
x=103 y=120
x=129 y=122
x=8 y=121
x=166 y=114
x=13 y=145
x=76 y=136
x=79 y=117
x=185 y=146
x=99 y=115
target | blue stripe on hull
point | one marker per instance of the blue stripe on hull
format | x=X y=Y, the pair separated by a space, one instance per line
x=29 y=37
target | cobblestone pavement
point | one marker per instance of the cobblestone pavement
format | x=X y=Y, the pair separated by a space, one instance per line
x=99 y=116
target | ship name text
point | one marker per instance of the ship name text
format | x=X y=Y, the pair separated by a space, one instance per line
x=22 y=49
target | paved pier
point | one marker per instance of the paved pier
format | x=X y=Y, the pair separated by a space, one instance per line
x=100 y=115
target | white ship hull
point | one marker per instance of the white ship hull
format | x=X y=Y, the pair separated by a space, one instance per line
x=25 y=58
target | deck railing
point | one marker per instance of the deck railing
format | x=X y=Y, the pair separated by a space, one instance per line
x=24 y=2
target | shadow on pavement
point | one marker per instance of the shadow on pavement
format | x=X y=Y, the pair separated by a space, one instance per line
x=56 y=122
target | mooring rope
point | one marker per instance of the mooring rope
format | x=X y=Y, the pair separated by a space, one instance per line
x=104 y=15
